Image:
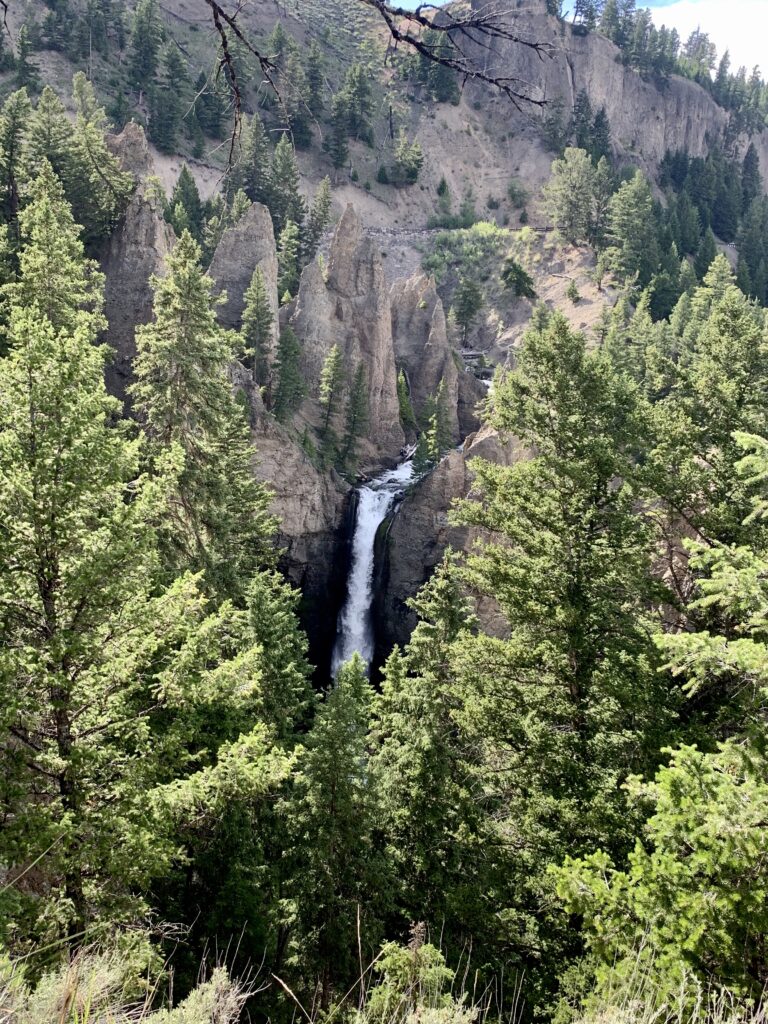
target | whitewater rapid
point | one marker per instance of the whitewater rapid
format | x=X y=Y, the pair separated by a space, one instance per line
x=355 y=627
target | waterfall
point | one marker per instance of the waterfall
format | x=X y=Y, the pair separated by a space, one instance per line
x=375 y=501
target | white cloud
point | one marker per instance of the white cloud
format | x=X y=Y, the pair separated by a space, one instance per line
x=740 y=26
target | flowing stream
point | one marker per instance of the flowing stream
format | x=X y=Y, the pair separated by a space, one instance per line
x=355 y=626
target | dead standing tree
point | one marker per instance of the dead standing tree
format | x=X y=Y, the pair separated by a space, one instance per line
x=425 y=30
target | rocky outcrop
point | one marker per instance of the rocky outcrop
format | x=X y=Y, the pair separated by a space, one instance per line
x=312 y=509
x=421 y=345
x=419 y=533
x=134 y=252
x=132 y=150
x=648 y=117
x=245 y=246
x=350 y=308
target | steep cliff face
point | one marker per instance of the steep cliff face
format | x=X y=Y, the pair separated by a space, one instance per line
x=419 y=534
x=422 y=347
x=134 y=252
x=648 y=116
x=247 y=245
x=350 y=308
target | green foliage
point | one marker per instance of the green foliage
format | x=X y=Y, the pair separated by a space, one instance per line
x=288 y=260
x=218 y=520
x=409 y=159
x=517 y=279
x=257 y=329
x=290 y=388
x=407 y=416
x=468 y=302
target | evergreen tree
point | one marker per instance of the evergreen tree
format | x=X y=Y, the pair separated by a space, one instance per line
x=318 y=220
x=467 y=303
x=568 y=195
x=218 y=519
x=50 y=137
x=407 y=415
x=258 y=326
x=581 y=121
x=751 y=179
x=356 y=420
x=338 y=147
x=103 y=670
x=332 y=379
x=706 y=253
x=167 y=100
x=357 y=89
x=632 y=231
x=209 y=107
x=14 y=122
x=285 y=201
x=99 y=189
x=146 y=40
x=186 y=195
x=600 y=136
x=56 y=284
x=315 y=79
x=340 y=876
x=288 y=260
x=27 y=72
x=290 y=388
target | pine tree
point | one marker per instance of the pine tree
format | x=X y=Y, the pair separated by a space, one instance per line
x=285 y=201
x=252 y=171
x=186 y=195
x=55 y=283
x=632 y=231
x=50 y=137
x=338 y=146
x=315 y=79
x=334 y=814
x=290 y=388
x=568 y=195
x=14 y=122
x=218 y=521
x=600 y=136
x=751 y=179
x=209 y=107
x=288 y=260
x=96 y=654
x=407 y=415
x=318 y=220
x=167 y=100
x=99 y=189
x=27 y=72
x=468 y=302
x=146 y=40
x=571 y=702
x=332 y=379
x=356 y=421
x=581 y=121
x=357 y=88
x=706 y=253
x=258 y=327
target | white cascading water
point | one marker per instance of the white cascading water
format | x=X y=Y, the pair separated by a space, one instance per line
x=355 y=628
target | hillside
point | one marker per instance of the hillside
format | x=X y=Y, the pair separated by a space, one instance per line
x=383 y=461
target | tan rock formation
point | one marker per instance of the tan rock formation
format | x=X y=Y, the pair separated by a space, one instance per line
x=133 y=253
x=245 y=246
x=421 y=345
x=420 y=533
x=351 y=309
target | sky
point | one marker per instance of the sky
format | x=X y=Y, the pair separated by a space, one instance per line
x=738 y=25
